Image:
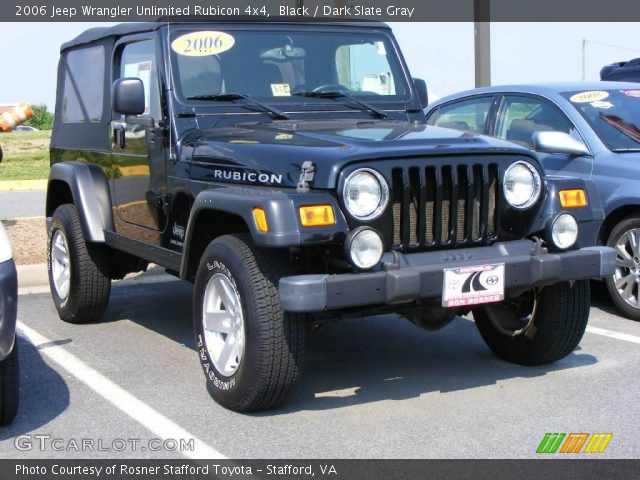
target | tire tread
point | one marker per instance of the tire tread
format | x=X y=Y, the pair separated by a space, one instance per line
x=280 y=351
x=89 y=262
x=561 y=320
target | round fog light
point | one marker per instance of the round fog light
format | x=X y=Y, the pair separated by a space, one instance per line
x=365 y=248
x=564 y=231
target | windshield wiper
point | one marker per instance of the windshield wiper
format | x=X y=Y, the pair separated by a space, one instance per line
x=625 y=150
x=230 y=97
x=337 y=94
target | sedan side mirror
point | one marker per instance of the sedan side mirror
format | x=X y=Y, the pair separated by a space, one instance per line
x=421 y=89
x=559 y=142
x=127 y=96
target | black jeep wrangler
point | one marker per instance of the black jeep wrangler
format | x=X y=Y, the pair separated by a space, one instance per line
x=286 y=169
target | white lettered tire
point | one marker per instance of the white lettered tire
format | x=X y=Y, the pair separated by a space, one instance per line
x=250 y=350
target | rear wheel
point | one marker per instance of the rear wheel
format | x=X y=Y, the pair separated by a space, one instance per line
x=9 y=386
x=538 y=327
x=250 y=350
x=624 y=286
x=78 y=271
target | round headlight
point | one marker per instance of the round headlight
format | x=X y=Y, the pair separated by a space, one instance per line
x=365 y=248
x=365 y=194
x=564 y=231
x=521 y=185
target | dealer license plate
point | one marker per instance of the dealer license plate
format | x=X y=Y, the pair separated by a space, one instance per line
x=468 y=286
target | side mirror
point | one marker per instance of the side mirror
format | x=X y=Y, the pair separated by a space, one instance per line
x=127 y=96
x=559 y=142
x=423 y=94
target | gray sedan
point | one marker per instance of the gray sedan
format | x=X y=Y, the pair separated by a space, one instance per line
x=589 y=130
x=9 y=378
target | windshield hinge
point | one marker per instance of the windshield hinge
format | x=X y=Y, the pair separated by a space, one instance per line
x=307 y=171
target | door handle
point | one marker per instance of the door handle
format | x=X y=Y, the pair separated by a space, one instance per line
x=118 y=136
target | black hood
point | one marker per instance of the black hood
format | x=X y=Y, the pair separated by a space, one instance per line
x=272 y=153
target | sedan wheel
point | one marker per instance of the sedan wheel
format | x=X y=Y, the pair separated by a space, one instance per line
x=627 y=276
x=624 y=285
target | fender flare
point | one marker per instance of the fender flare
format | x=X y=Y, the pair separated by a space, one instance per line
x=89 y=189
x=281 y=209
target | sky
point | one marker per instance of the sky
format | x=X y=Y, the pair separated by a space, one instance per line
x=440 y=53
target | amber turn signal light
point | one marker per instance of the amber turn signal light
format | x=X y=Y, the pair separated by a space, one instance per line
x=317 y=215
x=261 y=219
x=573 y=198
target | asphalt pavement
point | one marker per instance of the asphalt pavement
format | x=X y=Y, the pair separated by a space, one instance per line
x=377 y=387
x=22 y=203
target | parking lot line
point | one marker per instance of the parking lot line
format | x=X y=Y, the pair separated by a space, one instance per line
x=611 y=334
x=139 y=411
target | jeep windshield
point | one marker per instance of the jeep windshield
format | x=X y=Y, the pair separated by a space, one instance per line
x=613 y=114
x=284 y=66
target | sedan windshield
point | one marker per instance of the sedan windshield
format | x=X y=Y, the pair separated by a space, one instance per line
x=274 y=66
x=613 y=114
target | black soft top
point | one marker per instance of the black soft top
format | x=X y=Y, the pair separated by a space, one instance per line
x=99 y=33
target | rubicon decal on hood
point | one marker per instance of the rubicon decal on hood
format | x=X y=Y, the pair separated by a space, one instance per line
x=245 y=176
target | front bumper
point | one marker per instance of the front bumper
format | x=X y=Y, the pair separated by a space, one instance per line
x=8 y=307
x=419 y=275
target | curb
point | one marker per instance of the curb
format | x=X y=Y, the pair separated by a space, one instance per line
x=18 y=219
x=37 y=276
x=6 y=185
x=32 y=275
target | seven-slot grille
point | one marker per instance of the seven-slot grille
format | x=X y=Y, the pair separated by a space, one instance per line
x=448 y=206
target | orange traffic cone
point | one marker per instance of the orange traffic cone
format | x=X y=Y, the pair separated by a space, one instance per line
x=15 y=116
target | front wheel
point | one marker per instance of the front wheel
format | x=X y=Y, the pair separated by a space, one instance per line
x=624 y=286
x=539 y=326
x=250 y=350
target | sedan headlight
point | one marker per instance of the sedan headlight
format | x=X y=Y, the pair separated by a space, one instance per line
x=365 y=194
x=522 y=185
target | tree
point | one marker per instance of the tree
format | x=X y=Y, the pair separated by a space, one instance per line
x=42 y=119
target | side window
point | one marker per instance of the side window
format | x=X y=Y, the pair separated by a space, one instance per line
x=467 y=115
x=364 y=68
x=83 y=86
x=520 y=117
x=139 y=60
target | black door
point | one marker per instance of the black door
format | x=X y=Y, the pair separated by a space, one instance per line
x=138 y=155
